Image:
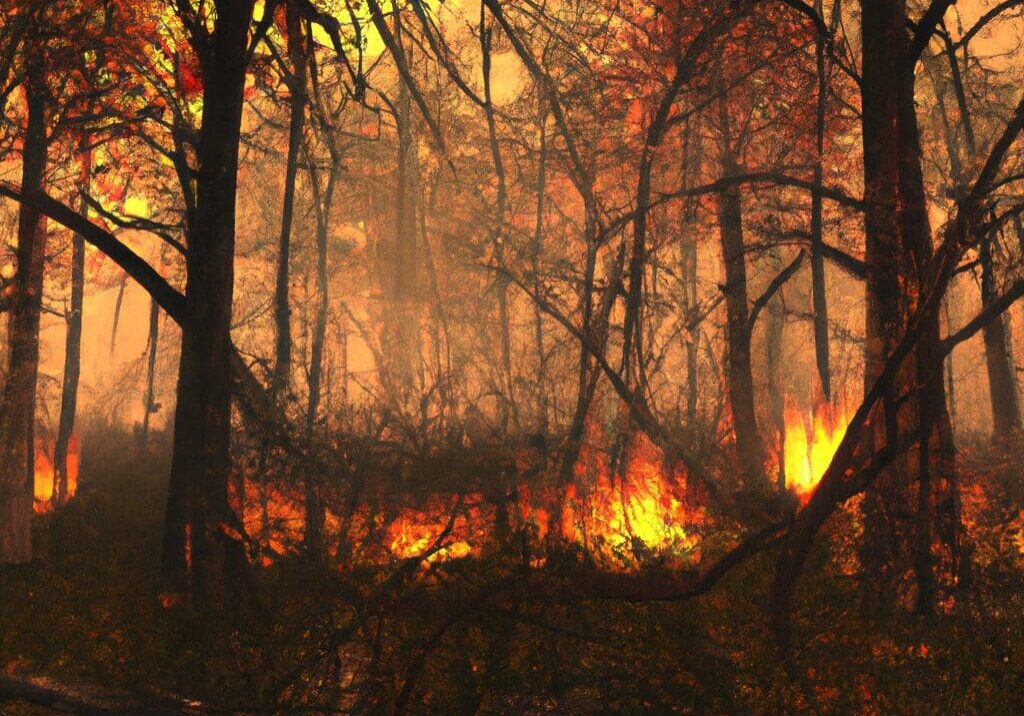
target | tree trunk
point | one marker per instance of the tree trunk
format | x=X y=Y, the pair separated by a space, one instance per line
x=821 y=339
x=117 y=313
x=297 y=114
x=149 y=402
x=1002 y=387
x=900 y=526
x=508 y=403
x=536 y=250
x=1002 y=382
x=690 y=299
x=775 y=334
x=399 y=269
x=323 y=198
x=203 y=555
x=17 y=419
x=749 y=446
x=72 y=346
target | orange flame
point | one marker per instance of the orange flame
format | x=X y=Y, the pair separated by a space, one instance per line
x=45 y=476
x=413 y=533
x=623 y=519
x=623 y=516
x=811 y=441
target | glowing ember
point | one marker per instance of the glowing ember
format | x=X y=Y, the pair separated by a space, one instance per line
x=811 y=441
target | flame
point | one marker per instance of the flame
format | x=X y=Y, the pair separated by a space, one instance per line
x=811 y=441
x=622 y=515
x=414 y=532
x=628 y=517
x=45 y=475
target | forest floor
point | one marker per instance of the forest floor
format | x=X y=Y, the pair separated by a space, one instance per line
x=86 y=612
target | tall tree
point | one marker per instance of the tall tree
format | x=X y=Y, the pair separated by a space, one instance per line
x=739 y=371
x=901 y=522
x=202 y=552
x=295 y=79
x=73 y=341
x=17 y=411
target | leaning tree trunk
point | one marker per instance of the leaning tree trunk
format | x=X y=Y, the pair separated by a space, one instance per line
x=17 y=413
x=72 y=347
x=901 y=523
x=203 y=554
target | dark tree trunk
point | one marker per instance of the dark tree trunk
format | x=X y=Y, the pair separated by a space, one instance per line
x=749 y=446
x=774 y=337
x=901 y=524
x=72 y=347
x=297 y=115
x=149 y=403
x=821 y=339
x=17 y=417
x=1002 y=387
x=323 y=198
x=203 y=555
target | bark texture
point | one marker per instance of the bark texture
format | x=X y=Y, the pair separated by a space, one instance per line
x=202 y=549
x=17 y=413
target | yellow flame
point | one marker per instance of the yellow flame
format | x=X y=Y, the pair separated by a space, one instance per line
x=622 y=516
x=45 y=476
x=811 y=441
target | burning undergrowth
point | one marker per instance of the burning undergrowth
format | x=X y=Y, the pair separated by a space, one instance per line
x=624 y=509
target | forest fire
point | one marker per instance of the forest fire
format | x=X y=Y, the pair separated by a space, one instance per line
x=627 y=514
x=622 y=515
x=415 y=534
x=437 y=356
x=45 y=476
x=810 y=442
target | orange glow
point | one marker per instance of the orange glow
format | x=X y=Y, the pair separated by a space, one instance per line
x=45 y=476
x=811 y=441
x=413 y=533
x=626 y=517
x=622 y=517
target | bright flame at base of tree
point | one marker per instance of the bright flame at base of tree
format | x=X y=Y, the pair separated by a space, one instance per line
x=811 y=441
x=46 y=476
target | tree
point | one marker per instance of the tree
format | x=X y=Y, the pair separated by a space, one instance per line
x=203 y=554
x=17 y=411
